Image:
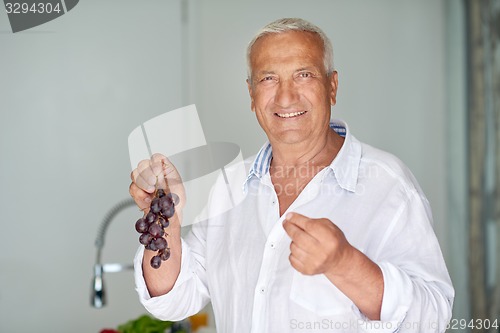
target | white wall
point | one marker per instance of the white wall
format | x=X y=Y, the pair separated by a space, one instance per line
x=70 y=92
x=457 y=179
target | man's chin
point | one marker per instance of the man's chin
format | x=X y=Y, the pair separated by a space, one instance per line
x=290 y=137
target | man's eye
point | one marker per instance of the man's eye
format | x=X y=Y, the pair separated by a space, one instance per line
x=305 y=75
x=268 y=80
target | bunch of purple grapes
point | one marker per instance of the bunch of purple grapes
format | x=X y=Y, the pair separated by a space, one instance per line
x=152 y=226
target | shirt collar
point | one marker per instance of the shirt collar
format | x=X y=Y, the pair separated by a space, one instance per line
x=345 y=165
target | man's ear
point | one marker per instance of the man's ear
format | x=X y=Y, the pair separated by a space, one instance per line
x=334 y=82
x=250 y=92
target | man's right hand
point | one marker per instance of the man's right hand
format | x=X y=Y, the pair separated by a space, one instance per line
x=157 y=172
x=150 y=175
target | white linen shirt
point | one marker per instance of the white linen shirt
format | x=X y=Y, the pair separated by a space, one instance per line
x=239 y=260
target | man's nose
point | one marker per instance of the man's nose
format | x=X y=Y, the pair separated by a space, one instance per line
x=286 y=94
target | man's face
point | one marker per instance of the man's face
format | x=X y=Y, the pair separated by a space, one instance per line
x=290 y=91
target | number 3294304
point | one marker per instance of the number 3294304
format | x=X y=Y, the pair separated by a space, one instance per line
x=461 y=324
x=35 y=8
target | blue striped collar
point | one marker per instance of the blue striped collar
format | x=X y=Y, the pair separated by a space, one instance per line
x=262 y=161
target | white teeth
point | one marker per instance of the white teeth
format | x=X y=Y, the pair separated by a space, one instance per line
x=289 y=115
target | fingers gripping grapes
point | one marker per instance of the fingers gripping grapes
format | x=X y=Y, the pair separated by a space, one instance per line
x=156 y=172
x=154 y=186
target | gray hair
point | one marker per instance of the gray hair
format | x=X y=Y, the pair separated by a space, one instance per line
x=293 y=24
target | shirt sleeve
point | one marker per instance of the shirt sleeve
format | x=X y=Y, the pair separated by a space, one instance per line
x=418 y=293
x=190 y=292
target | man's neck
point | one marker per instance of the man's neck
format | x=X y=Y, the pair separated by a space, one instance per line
x=312 y=153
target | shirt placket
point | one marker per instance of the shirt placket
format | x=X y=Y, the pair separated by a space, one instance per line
x=269 y=257
x=273 y=248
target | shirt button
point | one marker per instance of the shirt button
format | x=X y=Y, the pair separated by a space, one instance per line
x=262 y=290
x=272 y=245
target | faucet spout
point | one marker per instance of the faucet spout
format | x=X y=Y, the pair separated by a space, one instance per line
x=98 y=299
x=98 y=294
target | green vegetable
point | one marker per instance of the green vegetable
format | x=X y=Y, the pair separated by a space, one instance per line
x=144 y=324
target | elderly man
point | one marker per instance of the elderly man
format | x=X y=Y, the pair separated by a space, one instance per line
x=332 y=234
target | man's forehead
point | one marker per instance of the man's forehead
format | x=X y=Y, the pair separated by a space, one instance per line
x=269 y=70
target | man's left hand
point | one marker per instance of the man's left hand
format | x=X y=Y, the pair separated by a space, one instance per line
x=318 y=246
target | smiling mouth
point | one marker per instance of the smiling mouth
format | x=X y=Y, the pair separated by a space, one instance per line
x=290 y=115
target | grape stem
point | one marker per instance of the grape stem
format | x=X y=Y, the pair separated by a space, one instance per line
x=156 y=185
